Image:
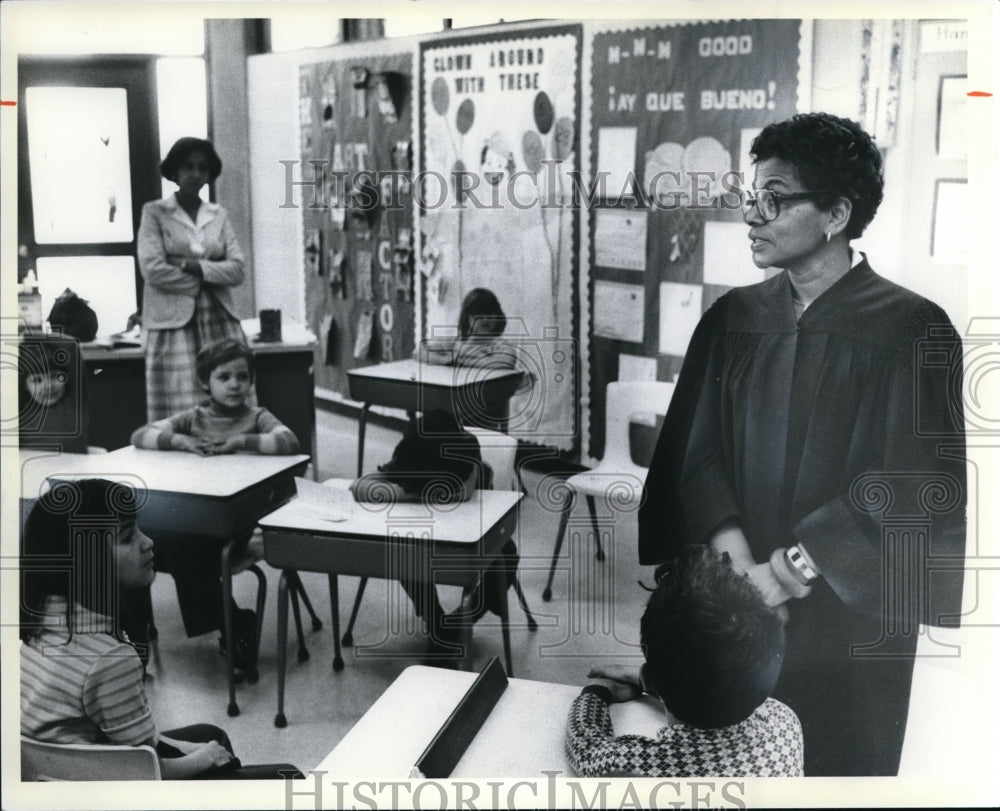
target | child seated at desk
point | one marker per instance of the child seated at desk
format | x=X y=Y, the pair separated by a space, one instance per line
x=713 y=654
x=481 y=323
x=437 y=462
x=225 y=423
x=81 y=680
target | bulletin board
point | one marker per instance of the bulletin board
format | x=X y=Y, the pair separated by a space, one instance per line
x=355 y=119
x=675 y=108
x=499 y=143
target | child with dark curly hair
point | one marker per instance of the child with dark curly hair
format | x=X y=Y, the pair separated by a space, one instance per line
x=713 y=654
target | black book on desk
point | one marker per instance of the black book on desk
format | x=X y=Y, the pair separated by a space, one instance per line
x=449 y=744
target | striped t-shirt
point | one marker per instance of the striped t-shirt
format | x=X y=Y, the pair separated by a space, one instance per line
x=84 y=689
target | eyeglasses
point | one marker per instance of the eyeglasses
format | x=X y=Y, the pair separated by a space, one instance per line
x=769 y=202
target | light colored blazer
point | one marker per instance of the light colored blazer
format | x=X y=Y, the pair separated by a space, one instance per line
x=166 y=238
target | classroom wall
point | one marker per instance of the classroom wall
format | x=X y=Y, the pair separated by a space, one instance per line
x=843 y=71
x=278 y=273
x=227 y=44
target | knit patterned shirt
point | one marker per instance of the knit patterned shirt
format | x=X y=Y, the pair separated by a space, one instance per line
x=260 y=431
x=767 y=744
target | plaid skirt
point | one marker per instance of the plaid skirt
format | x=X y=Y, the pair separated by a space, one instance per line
x=172 y=383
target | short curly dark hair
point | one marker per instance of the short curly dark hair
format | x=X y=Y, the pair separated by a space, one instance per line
x=215 y=354
x=713 y=648
x=182 y=148
x=831 y=153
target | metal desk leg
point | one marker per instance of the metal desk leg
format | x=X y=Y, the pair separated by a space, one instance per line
x=499 y=578
x=362 y=423
x=279 y=719
x=338 y=661
x=567 y=508
x=227 y=626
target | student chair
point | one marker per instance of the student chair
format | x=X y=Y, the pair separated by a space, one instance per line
x=41 y=761
x=238 y=557
x=499 y=451
x=616 y=479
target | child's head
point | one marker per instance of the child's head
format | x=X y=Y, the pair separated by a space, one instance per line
x=435 y=455
x=46 y=367
x=713 y=648
x=226 y=371
x=481 y=315
x=81 y=542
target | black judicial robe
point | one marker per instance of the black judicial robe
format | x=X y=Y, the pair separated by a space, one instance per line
x=843 y=432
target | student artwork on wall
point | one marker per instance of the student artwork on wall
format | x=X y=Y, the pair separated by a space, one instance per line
x=499 y=134
x=674 y=109
x=355 y=121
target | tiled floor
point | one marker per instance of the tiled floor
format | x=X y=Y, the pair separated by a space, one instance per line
x=593 y=616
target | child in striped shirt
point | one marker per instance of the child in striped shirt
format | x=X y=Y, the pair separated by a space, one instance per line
x=224 y=423
x=81 y=680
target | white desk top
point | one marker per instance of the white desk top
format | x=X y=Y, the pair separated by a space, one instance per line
x=431 y=374
x=171 y=471
x=522 y=737
x=462 y=523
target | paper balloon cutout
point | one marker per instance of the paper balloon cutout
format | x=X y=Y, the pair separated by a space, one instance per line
x=564 y=140
x=532 y=150
x=544 y=114
x=439 y=96
x=465 y=116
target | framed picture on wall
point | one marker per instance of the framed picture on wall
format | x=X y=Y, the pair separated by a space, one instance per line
x=949 y=234
x=951 y=129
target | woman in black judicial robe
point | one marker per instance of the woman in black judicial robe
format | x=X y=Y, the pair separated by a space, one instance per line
x=816 y=434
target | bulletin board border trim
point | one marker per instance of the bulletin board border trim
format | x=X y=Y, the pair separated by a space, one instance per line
x=520 y=31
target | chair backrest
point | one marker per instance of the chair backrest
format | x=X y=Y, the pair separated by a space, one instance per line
x=87 y=761
x=622 y=400
x=499 y=451
x=65 y=423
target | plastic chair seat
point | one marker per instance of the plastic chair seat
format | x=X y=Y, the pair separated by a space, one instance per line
x=617 y=480
x=43 y=761
x=621 y=486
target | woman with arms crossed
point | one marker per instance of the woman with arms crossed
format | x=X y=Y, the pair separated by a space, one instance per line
x=191 y=262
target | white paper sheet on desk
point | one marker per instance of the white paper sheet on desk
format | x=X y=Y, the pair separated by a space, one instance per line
x=328 y=502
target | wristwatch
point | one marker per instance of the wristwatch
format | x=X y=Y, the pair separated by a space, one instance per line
x=799 y=564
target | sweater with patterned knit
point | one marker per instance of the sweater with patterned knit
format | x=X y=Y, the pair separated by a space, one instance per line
x=258 y=429
x=767 y=744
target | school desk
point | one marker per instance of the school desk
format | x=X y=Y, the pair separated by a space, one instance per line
x=216 y=496
x=523 y=735
x=468 y=391
x=450 y=544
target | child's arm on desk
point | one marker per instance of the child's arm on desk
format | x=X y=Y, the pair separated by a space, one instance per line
x=272 y=438
x=591 y=746
x=437 y=352
x=197 y=758
x=380 y=488
x=171 y=434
